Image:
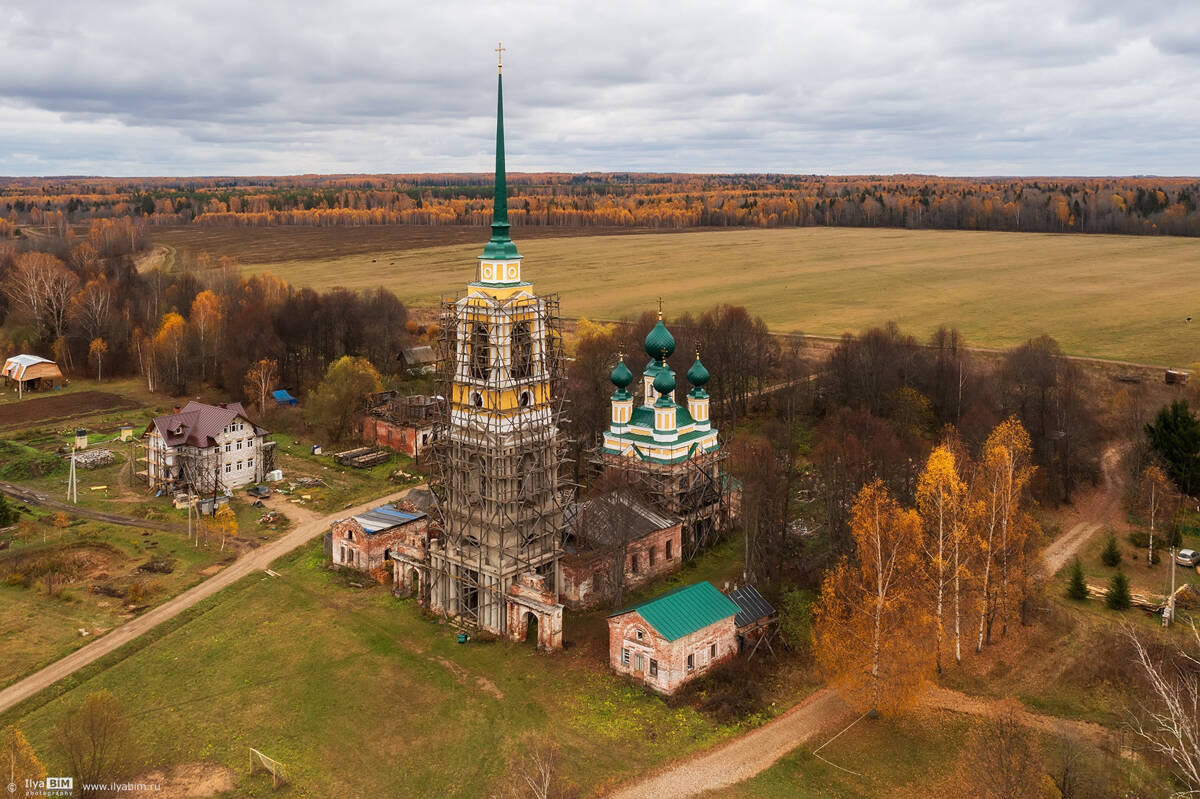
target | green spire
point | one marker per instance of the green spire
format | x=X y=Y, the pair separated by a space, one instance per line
x=500 y=247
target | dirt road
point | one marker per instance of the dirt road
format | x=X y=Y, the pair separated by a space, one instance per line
x=1097 y=508
x=745 y=756
x=309 y=527
x=34 y=498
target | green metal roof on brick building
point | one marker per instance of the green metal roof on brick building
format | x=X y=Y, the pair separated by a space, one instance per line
x=685 y=610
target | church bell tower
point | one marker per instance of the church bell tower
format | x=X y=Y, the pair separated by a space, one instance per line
x=499 y=450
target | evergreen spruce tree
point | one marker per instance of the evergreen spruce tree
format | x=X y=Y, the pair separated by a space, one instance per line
x=1111 y=556
x=1077 y=589
x=8 y=514
x=1118 y=597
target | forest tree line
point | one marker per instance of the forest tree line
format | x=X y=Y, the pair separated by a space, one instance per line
x=80 y=300
x=1132 y=205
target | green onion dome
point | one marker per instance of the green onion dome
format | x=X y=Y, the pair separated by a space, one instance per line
x=659 y=342
x=621 y=377
x=697 y=375
x=664 y=381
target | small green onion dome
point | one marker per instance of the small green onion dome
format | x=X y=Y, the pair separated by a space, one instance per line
x=664 y=381
x=621 y=377
x=659 y=342
x=697 y=375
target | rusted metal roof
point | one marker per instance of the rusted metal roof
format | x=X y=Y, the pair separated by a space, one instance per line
x=751 y=605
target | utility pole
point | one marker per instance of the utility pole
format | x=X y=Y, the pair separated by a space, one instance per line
x=72 y=482
x=1169 y=614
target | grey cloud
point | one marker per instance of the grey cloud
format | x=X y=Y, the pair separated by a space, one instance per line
x=1079 y=86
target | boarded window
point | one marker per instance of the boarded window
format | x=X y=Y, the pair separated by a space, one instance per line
x=625 y=656
x=712 y=652
x=638 y=663
x=668 y=549
x=653 y=667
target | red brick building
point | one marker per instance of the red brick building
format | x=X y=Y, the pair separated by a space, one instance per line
x=676 y=637
x=615 y=526
x=401 y=423
x=368 y=541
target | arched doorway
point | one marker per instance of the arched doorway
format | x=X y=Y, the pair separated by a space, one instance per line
x=531 y=629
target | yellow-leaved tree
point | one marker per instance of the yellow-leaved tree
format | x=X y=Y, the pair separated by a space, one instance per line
x=1002 y=525
x=870 y=626
x=940 y=503
x=18 y=762
x=225 y=524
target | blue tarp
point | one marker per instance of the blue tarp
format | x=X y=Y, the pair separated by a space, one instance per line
x=284 y=398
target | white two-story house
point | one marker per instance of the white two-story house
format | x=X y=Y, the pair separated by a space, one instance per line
x=205 y=449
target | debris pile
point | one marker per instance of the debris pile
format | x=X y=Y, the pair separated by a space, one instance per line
x=93 y=458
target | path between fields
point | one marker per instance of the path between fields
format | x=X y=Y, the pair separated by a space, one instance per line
x=755 y=751
x=309 y=527
x=750 y=754
x=1097 y=508
x=34 y=498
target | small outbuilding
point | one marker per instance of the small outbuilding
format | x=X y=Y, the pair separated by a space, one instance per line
x=420 y=360
x=755 y=620
x=32 y=372
x=668 y=640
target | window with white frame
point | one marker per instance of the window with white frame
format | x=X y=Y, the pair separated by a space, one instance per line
x=653 y=667
x=229 y=446
x=228 y=468
x=691 y=663
x=638 y=634
x=250 y=463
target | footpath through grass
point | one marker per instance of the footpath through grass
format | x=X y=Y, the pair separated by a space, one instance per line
x=360 y=696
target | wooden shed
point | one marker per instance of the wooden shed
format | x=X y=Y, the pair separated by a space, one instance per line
x=32 y=372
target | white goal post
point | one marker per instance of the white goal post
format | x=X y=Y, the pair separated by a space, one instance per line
x=259 y=760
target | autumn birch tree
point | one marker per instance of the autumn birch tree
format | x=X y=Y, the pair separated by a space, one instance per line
x=96 y=352
x=261 y=381
x=207 y=320
x=18 y=762
x=1156 y=496
x=869 y=629
x=940 y=493
x=1003 y=476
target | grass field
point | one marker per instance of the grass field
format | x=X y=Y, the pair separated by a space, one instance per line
x=360 y=696
x=1117 y=297
x=37 y=627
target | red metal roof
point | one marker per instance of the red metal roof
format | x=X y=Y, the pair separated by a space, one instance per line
x=198 y=425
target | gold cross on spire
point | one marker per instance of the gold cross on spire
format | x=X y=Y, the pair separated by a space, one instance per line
x=660 y=307
x=500 y=48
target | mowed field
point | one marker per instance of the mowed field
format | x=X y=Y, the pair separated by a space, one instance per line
x=358 y=695
x=1116 y=297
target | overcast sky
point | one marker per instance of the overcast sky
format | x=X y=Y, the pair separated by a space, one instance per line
x=1078 y=87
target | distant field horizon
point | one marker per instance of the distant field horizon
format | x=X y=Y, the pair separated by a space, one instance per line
x=1104 y=296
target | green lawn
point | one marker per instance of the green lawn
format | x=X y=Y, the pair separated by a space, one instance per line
x=37 y=628
x=914 y=756
x=360 y=696
x=1121 y=297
